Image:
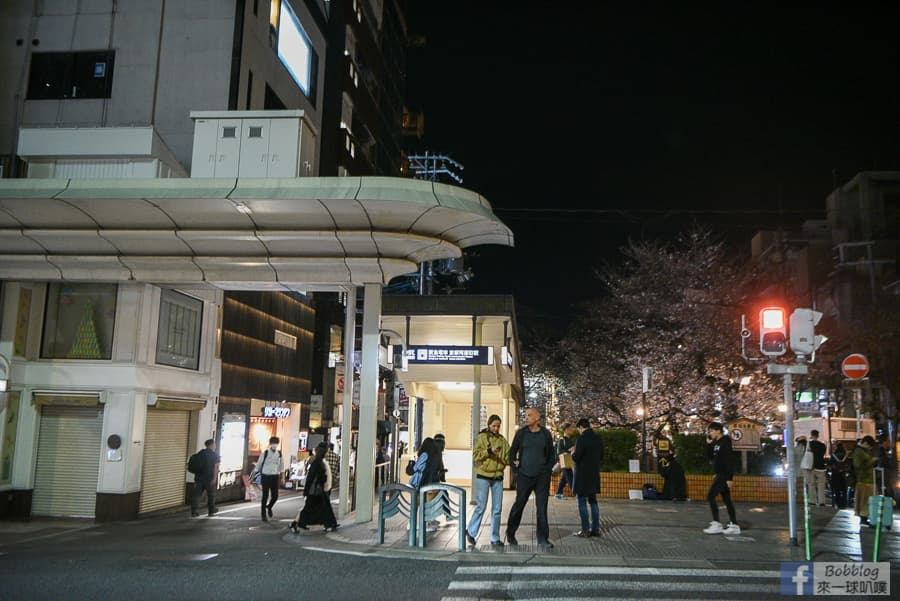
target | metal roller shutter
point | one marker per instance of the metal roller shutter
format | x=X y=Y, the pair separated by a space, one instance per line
x=68 y=461
x=165 y=458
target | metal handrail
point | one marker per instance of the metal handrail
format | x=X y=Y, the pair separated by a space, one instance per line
x=391 y=502
x=442 y=504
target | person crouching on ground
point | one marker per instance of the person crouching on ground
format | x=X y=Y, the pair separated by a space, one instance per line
x=317 y=509
x=491 y=456
x=718 y=448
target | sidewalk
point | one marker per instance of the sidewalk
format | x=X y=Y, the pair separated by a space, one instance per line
x=651 y=533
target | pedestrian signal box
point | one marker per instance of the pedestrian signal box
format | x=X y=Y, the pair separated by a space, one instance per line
x=772 y=332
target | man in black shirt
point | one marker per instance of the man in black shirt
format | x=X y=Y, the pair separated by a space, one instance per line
x=207 y=480
x=718 y=448
x=818 y=449
x=532 y=456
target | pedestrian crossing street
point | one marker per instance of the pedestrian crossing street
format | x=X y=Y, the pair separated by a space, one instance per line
x=570 y=583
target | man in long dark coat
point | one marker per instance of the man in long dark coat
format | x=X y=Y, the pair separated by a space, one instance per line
x=587 y=456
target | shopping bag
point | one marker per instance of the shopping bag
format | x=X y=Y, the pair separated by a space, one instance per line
x=566 y=461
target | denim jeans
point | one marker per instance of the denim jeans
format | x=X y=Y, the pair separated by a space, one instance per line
x=566 y=476
x=583 y=501
x=482 y=487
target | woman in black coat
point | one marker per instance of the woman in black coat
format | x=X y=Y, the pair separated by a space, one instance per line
x=317 y=509
x=587 y=457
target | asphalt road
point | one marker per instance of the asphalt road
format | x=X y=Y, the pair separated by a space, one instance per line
x=236 y=556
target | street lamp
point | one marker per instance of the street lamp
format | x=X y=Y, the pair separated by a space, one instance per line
x=643 y=415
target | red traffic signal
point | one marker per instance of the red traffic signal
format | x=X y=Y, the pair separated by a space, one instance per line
x=772 y=332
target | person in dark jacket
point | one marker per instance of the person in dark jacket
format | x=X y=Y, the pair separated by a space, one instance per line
x=317 y=509
x=532 y=456
x=887 y=461
x=840 y=466
x=674 y=482
x=816 y=489
x=718 y=449
x=207 y=480
x=587 y=457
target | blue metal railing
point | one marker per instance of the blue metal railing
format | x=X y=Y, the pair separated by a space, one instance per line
x=441 y=504
x=394 y=499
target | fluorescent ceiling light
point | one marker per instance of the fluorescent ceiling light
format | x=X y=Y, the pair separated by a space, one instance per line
x=456 y=385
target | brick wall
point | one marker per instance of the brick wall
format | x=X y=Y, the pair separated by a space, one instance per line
x=752 y=489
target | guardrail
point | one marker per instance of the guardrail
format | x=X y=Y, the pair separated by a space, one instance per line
x=391 y=501
x=441 y=504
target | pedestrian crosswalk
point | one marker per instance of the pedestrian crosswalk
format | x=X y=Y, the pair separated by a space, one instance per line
x=568 y=583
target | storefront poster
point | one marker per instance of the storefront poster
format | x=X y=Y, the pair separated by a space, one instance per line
x=231 y=445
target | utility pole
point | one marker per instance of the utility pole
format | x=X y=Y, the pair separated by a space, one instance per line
x=646 y=386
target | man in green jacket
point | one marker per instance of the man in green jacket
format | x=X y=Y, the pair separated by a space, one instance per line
x=863 y=462
x=491 y=456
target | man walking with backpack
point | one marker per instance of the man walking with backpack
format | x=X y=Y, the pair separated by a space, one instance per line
x=270 y=467
x=205 y=467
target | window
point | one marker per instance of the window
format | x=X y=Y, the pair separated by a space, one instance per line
x=63 y=75
x=295 y=50
x=178 y=339
x=78 y=323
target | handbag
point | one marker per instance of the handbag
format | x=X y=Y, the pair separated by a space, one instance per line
x=411 y=467
x=806 y=463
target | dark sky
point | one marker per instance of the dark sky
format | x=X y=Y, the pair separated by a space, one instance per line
x=644 y=106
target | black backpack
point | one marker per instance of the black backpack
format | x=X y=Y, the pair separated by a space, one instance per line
x=197 y=463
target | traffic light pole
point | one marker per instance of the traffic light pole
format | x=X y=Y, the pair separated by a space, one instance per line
x=787 y=371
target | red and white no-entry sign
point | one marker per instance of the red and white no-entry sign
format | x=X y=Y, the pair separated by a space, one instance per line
x=855 y=366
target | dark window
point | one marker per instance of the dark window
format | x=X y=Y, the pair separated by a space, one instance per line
x=59 y=75
x=178 y=339
x=273 y=102
x=249 y=89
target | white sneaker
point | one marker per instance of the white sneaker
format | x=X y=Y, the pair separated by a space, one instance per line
x=732 y=528
x=714 y=528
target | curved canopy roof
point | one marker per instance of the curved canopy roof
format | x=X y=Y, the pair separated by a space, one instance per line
x=250 y=234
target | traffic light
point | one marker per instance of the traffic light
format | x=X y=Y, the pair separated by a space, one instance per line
x=803 y=332
x=772 y=332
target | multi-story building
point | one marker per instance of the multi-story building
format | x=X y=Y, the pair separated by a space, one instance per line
x=148 y=64
x=115 y=89
x=364 y=88
x=847 y=263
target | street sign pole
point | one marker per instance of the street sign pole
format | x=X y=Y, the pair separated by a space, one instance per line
x=787 y=371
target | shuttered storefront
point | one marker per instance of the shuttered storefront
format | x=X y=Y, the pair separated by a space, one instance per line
x=165 y=457
x=68 y=461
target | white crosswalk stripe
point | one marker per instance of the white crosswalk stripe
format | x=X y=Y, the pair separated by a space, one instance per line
x=564 y=583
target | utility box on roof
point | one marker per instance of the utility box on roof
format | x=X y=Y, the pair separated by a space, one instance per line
x=253 y=144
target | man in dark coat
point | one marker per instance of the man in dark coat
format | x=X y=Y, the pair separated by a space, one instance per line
x=587 y=456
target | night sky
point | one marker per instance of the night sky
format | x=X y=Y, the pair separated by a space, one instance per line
x=738 y=114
